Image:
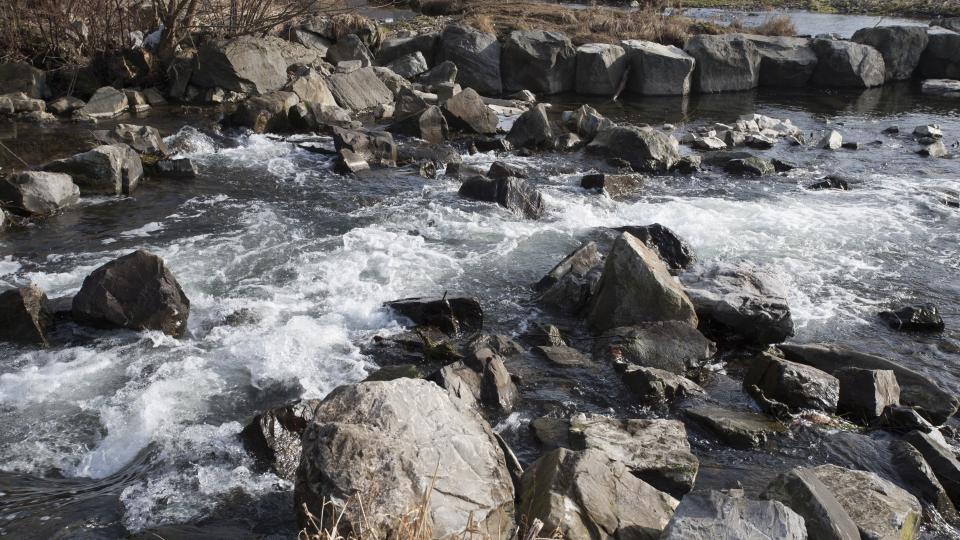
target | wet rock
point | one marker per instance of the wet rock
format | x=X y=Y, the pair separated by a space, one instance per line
x=646 y=149
x=760 y=142
x=480 y=380
x=154 y=97
x=420 y=152
x=708 y=144
x=350 y=48
x=941 y=58
x=361 y=149
x=21 y=103
x=22 y=77
x=476 y=55
x=932 y=131
x=831 y=182
x=586 y=121
x=900 y=46
x=614 y=185
x=934 y=150
x=724 y=63
x=110 y=169
x=266 y=113
x=248 y=64
x=514 y=194
x=106 y=102
x=736 y=428
x=136 y=291
x=796 y=385
x=879 y=508
x=600 y=68
x=673 y=346
x=443 y=73
x=563 y=356
x=658 y=70
x=65 y=105
x=570 y=284
x=921 y=318
x=490 y=144
x=453 y=316
x=25 y=316
x=750 y=166
x=144 y=139
x=532 y=130
x=941 y=458
x=672 y=249
x=38 y=193
x=823 y=515
x=409 y=66
x=359 y=90
x=501 y=171
x=466 y=111
x=174 y=168
x=711 y=515
x=394 y=48
x=542 y=62
x=136 y=101
x=784 y=61
x=918 y=476
x=404 y=428
x=916 y=390
x=903 y=419
x=589 y=495
x=846 y=64
x=546 y=335
x=740 y=303
x=831 y=141
x=311 y=87
x=653 y=385
x=274 y=436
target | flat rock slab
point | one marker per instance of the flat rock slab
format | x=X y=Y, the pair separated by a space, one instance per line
x=737 y=428
x=716 y=515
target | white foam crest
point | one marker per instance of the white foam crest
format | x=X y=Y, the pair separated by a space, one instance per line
x=72 y=374
x=190 y=142
x=144 y=231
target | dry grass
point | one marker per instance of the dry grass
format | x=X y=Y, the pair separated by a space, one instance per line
x=777 y=25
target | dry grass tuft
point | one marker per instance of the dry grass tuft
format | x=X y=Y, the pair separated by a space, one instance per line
x=778 y=25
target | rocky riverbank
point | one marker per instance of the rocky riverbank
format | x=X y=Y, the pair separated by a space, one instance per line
x=412 y=446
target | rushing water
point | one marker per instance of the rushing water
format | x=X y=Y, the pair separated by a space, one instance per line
x=120 y=431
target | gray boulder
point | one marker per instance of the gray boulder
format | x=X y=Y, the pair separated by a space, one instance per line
x=136 y=291
x=248 y=64
x=920 y=479
x=614 y=186
x=395 y=83
x=514 y=194
x=941 y=458
x=636 y=287
x=717 y=515
x=274 y=436
x=673 y=250
x=724 y=63
x=22 y=77
x=476 y=55
x=311 y=87
x=25 y=316
x=429 y=125
x=394 y=48
x=394 y=441
x=532 y=129
x=654 y=385
x=658 y=70
x=880 y=509
x=443 y=73
x=822 y=513
x=350 y=48
x=544 y=63
x=784 y=61
x=646 y=149
x=570 y=284
x=600 y=68
x=111 y=169
x=359 y=90
x=480 y=380
x=144 y=139
x=866 y=393
x=796 y=385
x=409 y=66
x=916 y=390
x=266 y=113
x=310 y=40
x=900 y=46
x=106 y=102
x=740 y=303
x=588 y=495
x=845 y=64
x=586 y=121
x=359 y=149
x=941 y=58
x=750 y=166
x=38 y=193
x=742 y=429
x=673 y=346
x=466 y=111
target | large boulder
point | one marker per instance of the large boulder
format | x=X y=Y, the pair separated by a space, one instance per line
x=845 y=64
x=106 y=102
x=673 y=250
x=646 y=149
x=532 y=129
x=880 y=509
x=796 y=385
x=916 y=390
x=350 y=48
x=724 y=63
x=274 y=435
x=38 y=193
x=742 y=429
x=466 y=111
x=265 y=113
x=941 y=58
x=658 y=70
x=25 y=316
x=941 y=459
x=570 y=284
x=476 y=55
x=920 y=479
x=394 y=48
x=543 y=62
x=600 y=68
x=900 y=46
x=451 y=316
x=514 y=194
x=589 y=495
x=110 y=169
x=358 y=149
x=673 y=346
x=248 y=64
x=401 y=444
x=740 y=303
x=22 y=77
x=311 y=87
x=716 y=515
x=784 y=61
x=359 y=90
x=804 y=493
x=866 y=393
x=635 y=288
x=136 y=291
x=409 y=66
x=144 y=139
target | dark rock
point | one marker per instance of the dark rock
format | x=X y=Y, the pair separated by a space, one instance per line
x=941 y=459
x=831 y=182
x=420 y=152
x=492 y=145
x=274 y=436
x=900 y=46
x=442 y=73
x=409 y=66
x=570 y=284
x=391 y=49
x=941 y=58
x=136 y=291
x=110 y=169
x=782 y=166
x=266 y=113
x=902 y=419
x=823 y=515
x=38 y=193
x=174 y=168
x=784 y=61
x=481 y=379
x=350 y=48
x=452 y=316
x=711 y=515
x=614 y=185
x=736 y=428
x=751 y=166
x=646 y=149
x=673 y=250
x=586 y=121
x=532 y=130
x=408 y=104
x=658 y=70
x=144 y=139
x=865 y=393
x=542 y=62
x=466 y=111
x=921 y=318
x=358 y=149
x=563 y=356
x=248 y=64
x=476 y=55
x=359 y=90
x=22 y=77
x=724 y=63
x=654 y=385
x=501 y=171
x=919 y=477
x=796 y=385
x=846 y=64
x=25 y=316
x=600 y=68
x=546 y=335
x=672 y=346
x=514 y=194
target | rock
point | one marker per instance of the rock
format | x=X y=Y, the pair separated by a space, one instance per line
x=636 y=287
x=646 y=149
x=546 y=335
x=880 y=509
x=658 y=70
x=274 y=436
x=532 y=130
x=322 y=118
x=443 y=73
x=421 y=151
x=903 y=419
x=106 y=102
x=501 y=171
x=845 y=64
x=174 y=168
x=784 y=61
x=21 y=103
x=350 y=48
x=154 y=97
x=614 y=185
x=672 y=346
x=452 y=316
x=466 y=111
x=931 y=131
x=831 y=182
x=429 y=125
x=359 y=90
x=795 y=385
x=672 y=249
x=941 y=58
x=248 y=64
x=136 y=291
x=514 y=194
x=405 y=428
x=394 y=48
x=408 y=104
x=822 y=513
x=900 y=46
x=654 y=385
x=22 y=77
x=38 y=193
x=570 y=284
x=136 y=101
x=916 y=390
x=934 y=150
x=266 y=113
x=65 y=105
x=831 y=141
x=409 y=66
x=713 y=515
x=543 y=62
x=563 y=356
x=941 y=459
x=586 y=121
x=311 y=87
x=918 y=476
x=600 y=68
x=25 y=316
x=921 y=318
x=481 y=379
x=756 y=140
x=476 y=55
x=111 y=169
x=359 y=149
x=724 y=63
x=708 y=144
x=750 y=166
x=144 y=139
x=737 y=428
x=391 y=80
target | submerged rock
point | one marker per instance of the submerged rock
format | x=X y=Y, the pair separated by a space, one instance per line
x=922 y=318
x=453 y=316
x=563 y=356
x=736 y=428
x=570 y=284
x=38 y=193
x=25 y=316
x=796 y=385
x=823 y=515
x=110 y=169
x=712 y=515
x=514 y=194
x=674 y=346
x=646 y=149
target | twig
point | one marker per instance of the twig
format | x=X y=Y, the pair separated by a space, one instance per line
x=14 y=154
